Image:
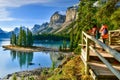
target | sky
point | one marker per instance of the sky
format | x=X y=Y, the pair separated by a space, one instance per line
x=16 y=13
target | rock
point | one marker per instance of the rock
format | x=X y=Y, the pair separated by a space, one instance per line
x=8 y=76
x=31 y=63
x=34 y=73
x=71 y=14
x=57 y=18
x=60 y=58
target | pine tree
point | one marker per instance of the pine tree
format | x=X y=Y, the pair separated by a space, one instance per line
x=105 y=11
x=24 y=38
x=20 y=37
x=115 y=19
x=13 y=39
x=86 y=19
x=29 y=38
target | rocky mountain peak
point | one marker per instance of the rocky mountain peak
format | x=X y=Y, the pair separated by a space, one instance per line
x=57 y=18
x=71 y=13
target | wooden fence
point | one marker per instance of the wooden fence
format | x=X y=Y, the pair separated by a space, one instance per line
x=85 y=53
x=114 y=37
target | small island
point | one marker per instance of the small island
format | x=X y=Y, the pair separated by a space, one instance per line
x=23 y=42
x=28 y=49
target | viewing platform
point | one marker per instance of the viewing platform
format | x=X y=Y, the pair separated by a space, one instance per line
x=101 y=65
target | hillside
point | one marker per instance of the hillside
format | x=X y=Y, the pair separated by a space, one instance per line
x=70 y=70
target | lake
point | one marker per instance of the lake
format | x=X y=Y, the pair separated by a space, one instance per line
x=11 y=61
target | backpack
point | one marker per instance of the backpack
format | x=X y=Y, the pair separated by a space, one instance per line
x=105 y=31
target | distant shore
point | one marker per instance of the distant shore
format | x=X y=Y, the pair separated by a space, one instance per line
x=28 y=49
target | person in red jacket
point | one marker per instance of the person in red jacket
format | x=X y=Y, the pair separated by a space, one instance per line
x=104 y=32
x=93 y=32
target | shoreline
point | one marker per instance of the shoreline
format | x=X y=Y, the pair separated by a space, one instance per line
x=28 y=49
x=32 y=73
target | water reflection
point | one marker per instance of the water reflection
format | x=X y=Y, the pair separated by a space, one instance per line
x=12 y=61
x=24 y=58
x=56 y=57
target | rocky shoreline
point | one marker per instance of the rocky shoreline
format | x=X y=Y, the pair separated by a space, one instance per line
x=28 y=73
x=28 y=49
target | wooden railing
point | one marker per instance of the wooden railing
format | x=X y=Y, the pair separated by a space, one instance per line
x=114 y=37
x=85 y=53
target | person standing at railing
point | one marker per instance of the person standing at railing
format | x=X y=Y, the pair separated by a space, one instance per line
x=95 y=33
x=104 y=32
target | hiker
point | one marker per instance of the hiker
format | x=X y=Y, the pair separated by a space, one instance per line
x=95 y=32
x=104 y=32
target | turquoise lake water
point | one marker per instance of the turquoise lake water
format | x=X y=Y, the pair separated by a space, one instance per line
x=11 y=61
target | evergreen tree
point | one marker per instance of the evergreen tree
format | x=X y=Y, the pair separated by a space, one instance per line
x=29 y=38
x=71 y=40
x=20 y=37
x=105 y=11
x=115 y=18
x=86 y=19
x=24 y=38
x=13 y=39
x=64 y=45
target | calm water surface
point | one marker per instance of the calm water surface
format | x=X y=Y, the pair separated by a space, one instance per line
x=11 y=61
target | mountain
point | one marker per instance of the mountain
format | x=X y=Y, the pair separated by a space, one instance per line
x=39 y=28
x=3 y=34
x=56 y=20
x=71 y=16
x=1 y=31
x=17 y=30
x=35 y=28
x=59 y=21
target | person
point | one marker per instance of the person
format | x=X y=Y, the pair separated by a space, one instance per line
x=104 y=33
x=94 y=29
x=95 y=33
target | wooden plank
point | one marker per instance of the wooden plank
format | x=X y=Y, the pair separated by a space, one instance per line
x=101 y=71
x=94 y=76
x=114 y=31
x=103 y=53
x=113 y=70
x=83 y=54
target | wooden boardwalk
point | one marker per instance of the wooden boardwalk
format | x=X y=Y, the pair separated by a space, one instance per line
x=100 y=69
x=101 y=65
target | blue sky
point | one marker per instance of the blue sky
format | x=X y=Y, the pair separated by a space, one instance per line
x=16 y=13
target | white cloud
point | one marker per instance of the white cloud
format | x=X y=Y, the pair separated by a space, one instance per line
x=18 y=3
x=5 y=15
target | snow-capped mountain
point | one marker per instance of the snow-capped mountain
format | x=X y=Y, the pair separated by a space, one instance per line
x=3 y=34
x=17 y=30
x=38 y=28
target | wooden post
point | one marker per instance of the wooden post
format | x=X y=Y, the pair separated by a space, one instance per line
x=82 y=39
x=87 y=50
x=109 y=38
x=87 y=57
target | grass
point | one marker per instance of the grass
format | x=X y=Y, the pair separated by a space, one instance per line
x=72 y=70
